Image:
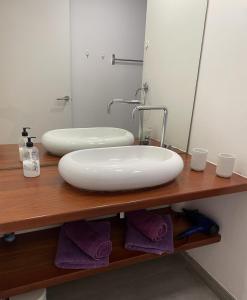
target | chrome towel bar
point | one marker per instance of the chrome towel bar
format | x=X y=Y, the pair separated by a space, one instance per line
x=119 y=60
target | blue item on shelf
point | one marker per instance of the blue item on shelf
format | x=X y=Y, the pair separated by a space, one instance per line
x=200 y=224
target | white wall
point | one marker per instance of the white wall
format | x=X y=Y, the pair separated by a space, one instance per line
x=220 y=124
x=103 y=28
x=34 y=67
x=173 y=34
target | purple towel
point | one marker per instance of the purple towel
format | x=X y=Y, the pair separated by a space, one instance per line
x=69 y=256
x=152 y=225
x=93 y=238
x=136 y=241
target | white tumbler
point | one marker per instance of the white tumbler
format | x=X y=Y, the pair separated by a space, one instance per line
x=225 y=165
x=198 y=159
x=34 y=295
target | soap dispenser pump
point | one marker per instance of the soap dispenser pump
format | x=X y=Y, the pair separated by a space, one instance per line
x=23 y=141
x=31 y=164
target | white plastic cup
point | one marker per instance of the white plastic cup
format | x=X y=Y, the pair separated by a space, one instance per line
x=34 y=295
x=178 y=207
x=225 y=165
x=199 y=159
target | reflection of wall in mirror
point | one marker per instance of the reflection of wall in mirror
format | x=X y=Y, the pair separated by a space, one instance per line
x=102 y=28
x=174 y=32
x=35 y=67
x=36 y=64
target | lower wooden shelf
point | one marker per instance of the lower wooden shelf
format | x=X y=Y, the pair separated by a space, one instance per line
x=28 y=263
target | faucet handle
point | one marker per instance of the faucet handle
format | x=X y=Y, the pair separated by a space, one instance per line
x=144 y=88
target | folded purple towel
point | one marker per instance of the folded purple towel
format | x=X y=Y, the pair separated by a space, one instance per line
x=136 y=241
x=148 y=223
x=93 y=238
x=69 y=256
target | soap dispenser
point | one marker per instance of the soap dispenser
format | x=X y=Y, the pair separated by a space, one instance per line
x=23 y=141
x=31 y=164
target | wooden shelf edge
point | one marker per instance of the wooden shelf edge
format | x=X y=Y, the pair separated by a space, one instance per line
x=42 y=221
x=113 y=266
x=44 y=243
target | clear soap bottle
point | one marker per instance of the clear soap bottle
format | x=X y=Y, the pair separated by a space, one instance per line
x=31 y=164
x=22 y=142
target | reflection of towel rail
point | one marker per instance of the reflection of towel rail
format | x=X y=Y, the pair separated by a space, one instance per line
x=116 y=60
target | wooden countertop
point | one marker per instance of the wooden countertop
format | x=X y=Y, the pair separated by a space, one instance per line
x=34 y=202
x=9 y=157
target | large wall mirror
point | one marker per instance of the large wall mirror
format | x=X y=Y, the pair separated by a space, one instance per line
x=57 y=69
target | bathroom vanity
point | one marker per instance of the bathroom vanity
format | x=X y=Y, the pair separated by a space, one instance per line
x=161 y=60
x=28 y=263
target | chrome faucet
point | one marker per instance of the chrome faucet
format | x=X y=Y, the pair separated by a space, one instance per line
x=145 y=88
x=164 y=123
x=134 y=102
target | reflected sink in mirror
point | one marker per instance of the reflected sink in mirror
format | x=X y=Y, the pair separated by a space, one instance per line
x=62 y=141
x=120 y=168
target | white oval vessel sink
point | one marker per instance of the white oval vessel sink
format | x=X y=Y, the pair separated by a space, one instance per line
x=120 y=168
x=63 y=141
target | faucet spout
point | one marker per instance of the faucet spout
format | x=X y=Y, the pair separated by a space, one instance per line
x=165 y=116
x=133 y=102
